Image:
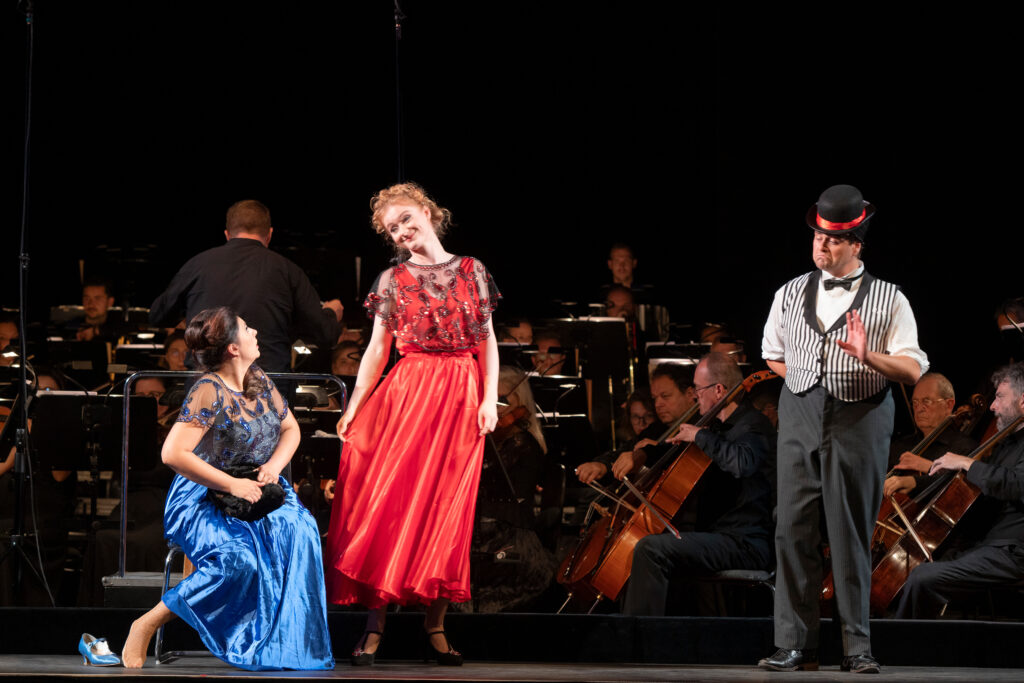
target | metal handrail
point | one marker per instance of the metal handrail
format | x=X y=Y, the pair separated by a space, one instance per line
x=176 y=374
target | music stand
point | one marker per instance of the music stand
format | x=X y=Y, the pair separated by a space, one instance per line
x=681 y=354
x=562 y=402
x=605 y=358
x=516 y=355
x=137 y=316
x=570 y=438
x=84 y=362
x=139 y=355
x=79 y=431
x=60 y=316
x=559 y=393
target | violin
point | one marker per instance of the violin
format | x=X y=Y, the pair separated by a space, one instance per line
x=506 y=422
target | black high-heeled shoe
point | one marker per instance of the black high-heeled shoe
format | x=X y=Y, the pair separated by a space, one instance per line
x=360 y=657
x=450 y=658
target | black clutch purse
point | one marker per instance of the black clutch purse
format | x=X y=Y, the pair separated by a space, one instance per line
x=233 y=506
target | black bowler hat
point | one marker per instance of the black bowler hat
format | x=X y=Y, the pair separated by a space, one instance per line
x=842 y=212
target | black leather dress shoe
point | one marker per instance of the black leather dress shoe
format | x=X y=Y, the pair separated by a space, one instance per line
x=791 y=660
x=860 y=664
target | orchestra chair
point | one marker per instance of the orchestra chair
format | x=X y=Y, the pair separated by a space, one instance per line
x=743 y=578
x=187 y=567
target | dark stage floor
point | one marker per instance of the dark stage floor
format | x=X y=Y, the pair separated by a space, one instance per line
x=41 y=644
x=40 y=667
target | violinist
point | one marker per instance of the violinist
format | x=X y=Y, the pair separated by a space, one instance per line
x=733 y=525
x=512 y=566
x=520 y=445
x=933 y=402
x=998 y=558
x=673 y=392
x=835 y=423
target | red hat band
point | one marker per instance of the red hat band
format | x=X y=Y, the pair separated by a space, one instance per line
x=826 y=224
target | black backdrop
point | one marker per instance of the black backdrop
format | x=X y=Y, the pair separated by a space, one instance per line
x=698 y=132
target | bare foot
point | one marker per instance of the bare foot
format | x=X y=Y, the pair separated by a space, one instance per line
x=133 y=656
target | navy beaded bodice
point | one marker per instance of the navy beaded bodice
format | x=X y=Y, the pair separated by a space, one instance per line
x=240 y=431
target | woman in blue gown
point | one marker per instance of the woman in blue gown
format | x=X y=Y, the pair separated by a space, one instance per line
x=256 y=596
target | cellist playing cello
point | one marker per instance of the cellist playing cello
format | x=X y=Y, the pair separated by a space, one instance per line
x=673 y=395
x=998 y=558
x=838 y=336
x=933 y=401
x=733 y=524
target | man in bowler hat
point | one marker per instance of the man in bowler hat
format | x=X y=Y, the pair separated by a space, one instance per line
x=838 y=336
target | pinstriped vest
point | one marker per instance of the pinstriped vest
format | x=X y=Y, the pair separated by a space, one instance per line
x=812 y=357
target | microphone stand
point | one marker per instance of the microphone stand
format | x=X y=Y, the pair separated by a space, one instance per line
x=22 y=462
x=399 y=161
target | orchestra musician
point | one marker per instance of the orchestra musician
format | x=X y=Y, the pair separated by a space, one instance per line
x=838 y=336
x=733 y=524
x=622 y=262
x=998 y=558
x=673 y=392
x=97 y=325
x=933 y=401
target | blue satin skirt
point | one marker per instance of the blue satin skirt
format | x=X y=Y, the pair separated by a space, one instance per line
x=256 y=597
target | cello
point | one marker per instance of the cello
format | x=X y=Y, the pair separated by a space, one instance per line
x=889 y=525
x=894 y=508
x=887 y=529
x=927 y=529
x=601 y=563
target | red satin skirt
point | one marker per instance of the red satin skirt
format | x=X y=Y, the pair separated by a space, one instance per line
x=402 y=517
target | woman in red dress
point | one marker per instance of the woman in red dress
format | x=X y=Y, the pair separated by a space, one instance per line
x=402 y=517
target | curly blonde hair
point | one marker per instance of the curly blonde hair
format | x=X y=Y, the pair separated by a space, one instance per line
x=408 y=193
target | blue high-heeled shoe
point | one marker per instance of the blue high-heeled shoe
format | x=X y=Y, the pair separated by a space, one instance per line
x=96 y=652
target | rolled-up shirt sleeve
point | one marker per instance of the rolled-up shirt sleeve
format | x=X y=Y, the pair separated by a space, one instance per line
x=773 y=343
x=902 y=337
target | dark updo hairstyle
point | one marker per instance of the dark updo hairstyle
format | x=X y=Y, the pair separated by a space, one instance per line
x=208 y=335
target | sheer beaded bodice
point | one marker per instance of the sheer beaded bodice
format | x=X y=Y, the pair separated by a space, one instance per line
x=239 y=430
x=443 y=307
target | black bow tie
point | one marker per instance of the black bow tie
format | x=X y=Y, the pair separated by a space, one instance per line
x=844 y=282
x=832 y=283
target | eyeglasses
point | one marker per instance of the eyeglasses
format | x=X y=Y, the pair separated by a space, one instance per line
x=926 y=402
x=706 y=386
